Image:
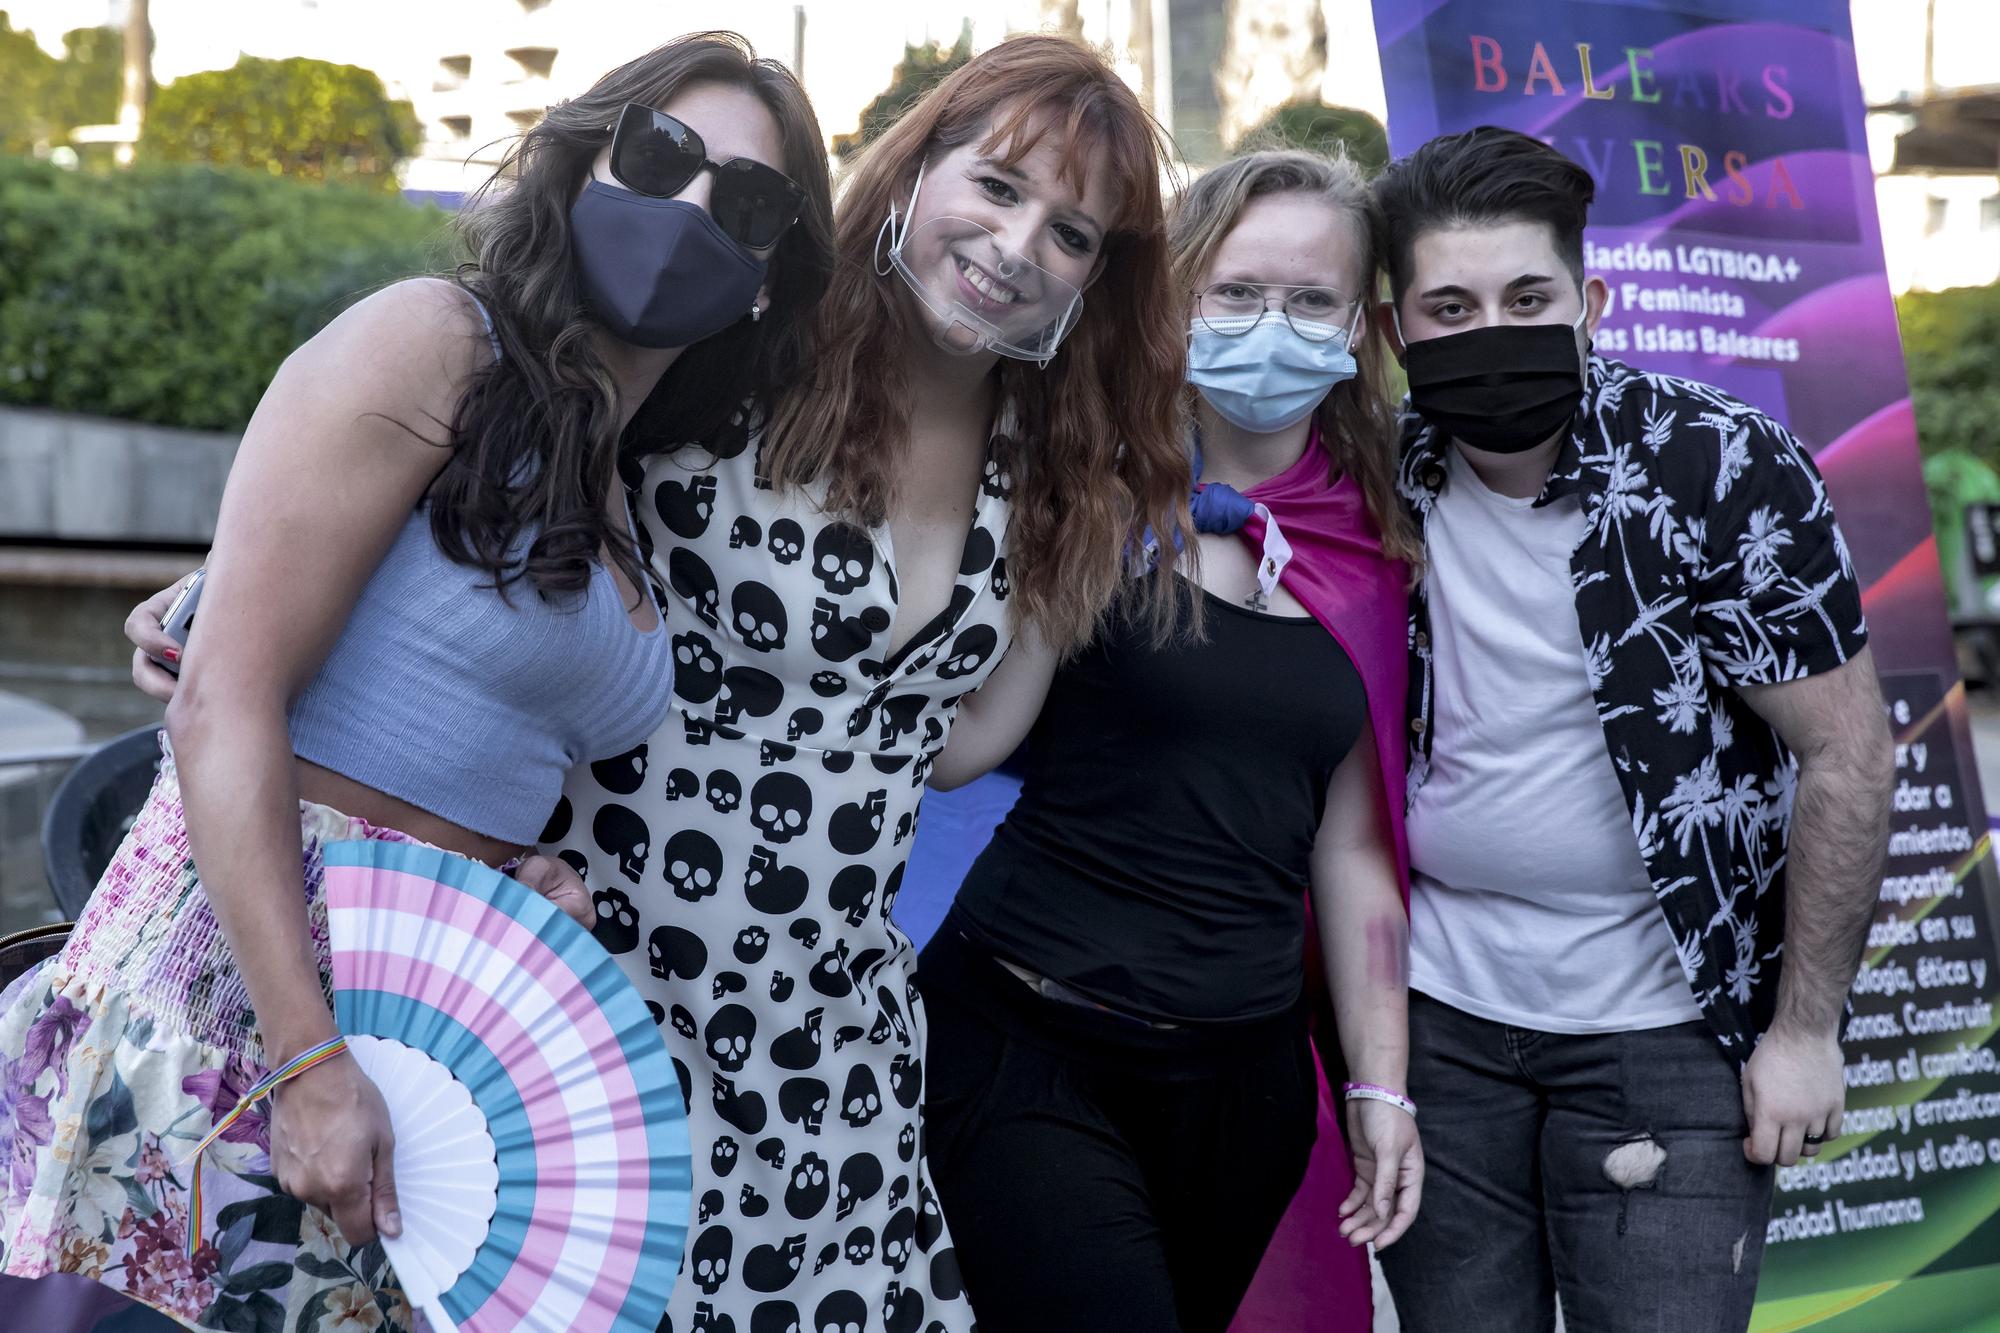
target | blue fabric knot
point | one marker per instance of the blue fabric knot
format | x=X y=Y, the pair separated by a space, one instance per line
x=1220 y=507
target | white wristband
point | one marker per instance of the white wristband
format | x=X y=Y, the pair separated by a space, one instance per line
x=1370 y=1092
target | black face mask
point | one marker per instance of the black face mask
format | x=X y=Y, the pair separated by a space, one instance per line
x=1504 y=388
x=659 y=272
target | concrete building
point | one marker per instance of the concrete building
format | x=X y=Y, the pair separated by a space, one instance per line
x=488 y=67
x=1930 y=71
x=478 y=71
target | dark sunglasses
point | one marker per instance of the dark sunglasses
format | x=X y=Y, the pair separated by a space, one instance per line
x=654 y=154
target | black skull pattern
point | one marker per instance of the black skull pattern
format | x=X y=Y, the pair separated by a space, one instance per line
x=742 y=864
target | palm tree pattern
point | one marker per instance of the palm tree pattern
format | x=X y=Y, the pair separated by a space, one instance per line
x=1710 y=560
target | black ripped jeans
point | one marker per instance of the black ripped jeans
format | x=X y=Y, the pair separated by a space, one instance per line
x=1527 y=1138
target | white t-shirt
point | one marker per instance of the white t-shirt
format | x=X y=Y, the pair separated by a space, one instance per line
x=1529 y=902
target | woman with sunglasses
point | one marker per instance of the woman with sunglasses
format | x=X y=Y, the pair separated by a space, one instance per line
x=425 y=602
x=992 y=416
x=991 y=419
x=1123 y=1098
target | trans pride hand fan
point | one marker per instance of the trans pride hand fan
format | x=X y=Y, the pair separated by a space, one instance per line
x=542 y=1165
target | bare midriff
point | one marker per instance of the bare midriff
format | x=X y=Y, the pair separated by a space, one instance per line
x=323 y=786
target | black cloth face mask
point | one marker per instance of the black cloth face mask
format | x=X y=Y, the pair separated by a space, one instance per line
x=1504 y=388
x=659 y=272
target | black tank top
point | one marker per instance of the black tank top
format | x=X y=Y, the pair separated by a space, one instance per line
x=1158 y=858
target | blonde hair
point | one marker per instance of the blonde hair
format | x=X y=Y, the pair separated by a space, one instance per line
x=1357 y=425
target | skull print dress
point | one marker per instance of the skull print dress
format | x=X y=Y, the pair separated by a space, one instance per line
x=743 y=863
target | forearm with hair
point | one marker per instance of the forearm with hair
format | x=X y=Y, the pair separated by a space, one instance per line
x=1839 y=838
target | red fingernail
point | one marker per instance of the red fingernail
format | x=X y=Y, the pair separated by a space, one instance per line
x=171 y=654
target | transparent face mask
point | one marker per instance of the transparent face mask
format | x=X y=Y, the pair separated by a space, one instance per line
x=981 y=296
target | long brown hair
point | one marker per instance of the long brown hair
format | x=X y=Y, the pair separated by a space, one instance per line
x=1357 y=425
x=1097 y=459
x=535 y=439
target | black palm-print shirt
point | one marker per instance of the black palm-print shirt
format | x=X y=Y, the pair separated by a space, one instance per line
x=1710 y=561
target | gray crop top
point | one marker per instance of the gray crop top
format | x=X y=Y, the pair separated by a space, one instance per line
x=441 y=693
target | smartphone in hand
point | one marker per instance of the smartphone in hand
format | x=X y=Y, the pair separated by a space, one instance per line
x=179 y=619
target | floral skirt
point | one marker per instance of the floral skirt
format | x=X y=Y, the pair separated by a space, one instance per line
x=116 y=1057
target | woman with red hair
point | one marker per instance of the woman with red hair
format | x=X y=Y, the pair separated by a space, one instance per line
x=991 y=419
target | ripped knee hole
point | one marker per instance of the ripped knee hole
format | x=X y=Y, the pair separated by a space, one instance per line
x=1634 y=1164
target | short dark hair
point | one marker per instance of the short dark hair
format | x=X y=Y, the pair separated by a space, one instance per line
x=1481 y=176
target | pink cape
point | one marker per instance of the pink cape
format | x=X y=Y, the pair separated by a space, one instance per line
x=1311 y=1281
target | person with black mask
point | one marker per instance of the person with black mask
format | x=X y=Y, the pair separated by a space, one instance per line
x=1649 y=779
x=426 y=602
x=985 y=419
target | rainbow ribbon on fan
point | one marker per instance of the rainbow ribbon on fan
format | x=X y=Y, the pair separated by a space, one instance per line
x=264 y=1087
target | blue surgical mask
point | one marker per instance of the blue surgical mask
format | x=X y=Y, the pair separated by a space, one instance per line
x=1267 y=377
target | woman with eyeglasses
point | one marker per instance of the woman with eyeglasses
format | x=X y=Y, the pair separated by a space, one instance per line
x=426 y=601
x=1123 y=1096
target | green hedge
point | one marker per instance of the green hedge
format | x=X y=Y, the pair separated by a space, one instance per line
x=1949 y=345
x=170 y=294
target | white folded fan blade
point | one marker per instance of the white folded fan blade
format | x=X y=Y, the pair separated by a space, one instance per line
x=542 y=1162
x=447 y=1179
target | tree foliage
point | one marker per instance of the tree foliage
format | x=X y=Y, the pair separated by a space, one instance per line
x=922 y=69
x=83 y=88
x=1323 y=128
x=1949 y=347
x=1949 y=344
x=43 y=99
x=300 y=118
x=23 y=73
